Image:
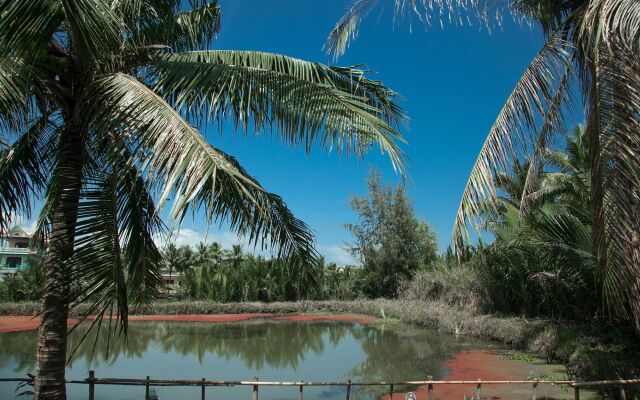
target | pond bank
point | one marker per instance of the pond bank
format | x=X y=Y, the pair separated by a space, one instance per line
x=589 y=352
x=15 y=323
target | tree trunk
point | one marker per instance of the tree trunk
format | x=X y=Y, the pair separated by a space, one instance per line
x=52 y=334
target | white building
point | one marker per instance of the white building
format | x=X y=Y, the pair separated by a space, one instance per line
x=14 y=251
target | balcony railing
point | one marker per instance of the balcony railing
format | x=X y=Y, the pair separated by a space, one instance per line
x=14 y=250
x=13 y=267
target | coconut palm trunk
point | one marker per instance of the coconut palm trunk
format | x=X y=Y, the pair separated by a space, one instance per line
x=52 y=334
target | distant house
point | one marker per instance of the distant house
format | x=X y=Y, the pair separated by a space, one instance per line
x=14 y=251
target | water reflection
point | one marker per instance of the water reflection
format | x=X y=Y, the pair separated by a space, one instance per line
x=367 y=352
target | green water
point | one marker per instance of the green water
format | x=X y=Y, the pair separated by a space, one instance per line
x=270 y=350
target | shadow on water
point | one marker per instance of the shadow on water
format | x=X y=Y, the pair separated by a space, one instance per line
x=276 y=349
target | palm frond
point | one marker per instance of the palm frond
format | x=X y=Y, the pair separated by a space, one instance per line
x=553 y=120
x=116 y=264
x=487 y=12
x=179 y=30
x=28 y=25
x=300 y=101
x=607 y=21
x=179 y=162
x=16 y=104
x=346 y=28
x=510 y=135
x=24 y=168
x=618 y=102
x=95 y=30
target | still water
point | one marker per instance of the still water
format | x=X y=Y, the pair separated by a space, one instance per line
x=270 y=350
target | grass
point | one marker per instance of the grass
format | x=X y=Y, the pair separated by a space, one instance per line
x=528 y=358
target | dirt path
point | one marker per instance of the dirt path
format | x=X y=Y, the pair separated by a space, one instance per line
x=26 y=323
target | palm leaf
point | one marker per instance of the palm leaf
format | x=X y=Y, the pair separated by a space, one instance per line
x=300 y=101
x=27 y=25
x=615 y=111
x=452 y=11
x=510 y=134
x=16 y=104
x=179 y=162
x=179 y=30
x=95 y=30
x=24 y=168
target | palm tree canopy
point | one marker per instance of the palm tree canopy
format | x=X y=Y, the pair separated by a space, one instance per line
x=593 y=45
x=136 y=79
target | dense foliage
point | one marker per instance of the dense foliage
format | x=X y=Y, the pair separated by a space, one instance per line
x=590 y=57
x=541 y=261
x=231 y=275
x=390 y=242
x=24 y=285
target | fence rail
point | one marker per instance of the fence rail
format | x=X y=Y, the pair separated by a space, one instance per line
x=148 y=383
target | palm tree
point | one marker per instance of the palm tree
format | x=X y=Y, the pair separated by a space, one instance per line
x=175 y=258
x=100 y=102
x=215 y=252
x=235 y=256
x=593 y=45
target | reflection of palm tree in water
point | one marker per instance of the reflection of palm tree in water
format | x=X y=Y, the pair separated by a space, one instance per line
x=391 y=353
x=260 y=344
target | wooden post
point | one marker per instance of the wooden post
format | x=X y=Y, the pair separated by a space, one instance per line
x=92 y=387
x=391 y=392
x=478 y=392
x=623 y=393
x=255 y=389
x=146 y=389
x=535 y=386
x=203 y=394
x=576 y=392
x=348 y=389
x=430 y=390
x=301 y=396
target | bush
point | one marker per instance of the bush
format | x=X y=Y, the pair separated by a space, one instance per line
x=456 y=286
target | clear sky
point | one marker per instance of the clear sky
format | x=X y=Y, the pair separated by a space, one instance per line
x=454 y=81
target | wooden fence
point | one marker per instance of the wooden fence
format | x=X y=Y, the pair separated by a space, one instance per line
x=148 y=383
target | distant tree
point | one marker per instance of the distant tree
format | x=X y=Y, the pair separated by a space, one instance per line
x=176 y=258
x=390 y=242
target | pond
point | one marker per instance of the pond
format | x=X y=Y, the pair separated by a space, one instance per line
x=270 y=350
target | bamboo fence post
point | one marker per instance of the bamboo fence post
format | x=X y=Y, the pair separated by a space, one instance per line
x=301 y=397
x=92 y=387
x=348 y=389
x=430 y=391
x=203 y=393
x=478 y=390
x=623 y=393
x=255 y=389
x=535 y=386
x=576 y=392
x=391 y=392
x=146 y=390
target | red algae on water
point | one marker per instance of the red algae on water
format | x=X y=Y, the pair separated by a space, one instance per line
x=484 y=365
x=26 y=323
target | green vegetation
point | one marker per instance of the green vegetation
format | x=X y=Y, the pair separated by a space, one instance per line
x=390 y=242
x=25 y=284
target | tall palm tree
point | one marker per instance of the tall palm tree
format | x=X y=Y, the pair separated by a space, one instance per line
x=175 y=258
x=593 y=45
x=100 y=101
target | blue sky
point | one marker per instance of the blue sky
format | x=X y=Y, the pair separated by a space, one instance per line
x=454 y=81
